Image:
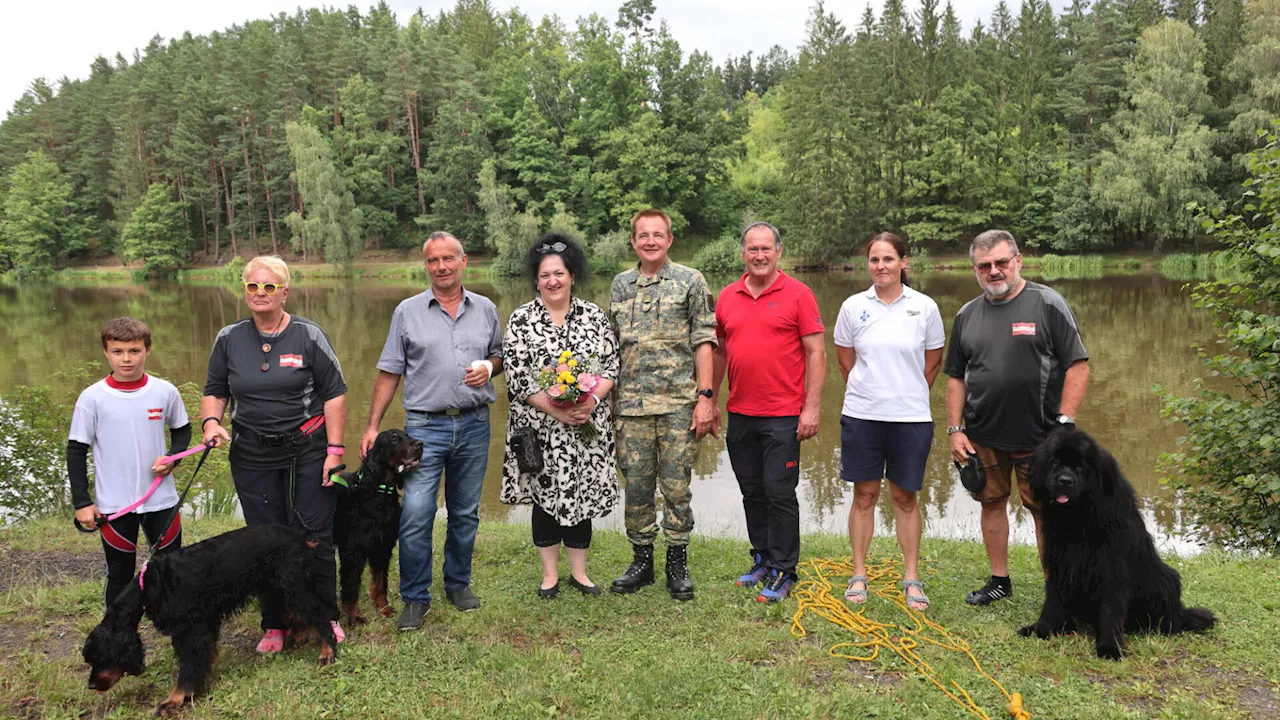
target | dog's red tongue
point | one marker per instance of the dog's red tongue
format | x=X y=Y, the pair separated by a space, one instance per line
x=1062 y=499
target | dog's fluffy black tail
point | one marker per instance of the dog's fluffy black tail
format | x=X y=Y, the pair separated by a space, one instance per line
x=1197 y=618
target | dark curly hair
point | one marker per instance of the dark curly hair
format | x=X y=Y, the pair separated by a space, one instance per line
x=575 y=260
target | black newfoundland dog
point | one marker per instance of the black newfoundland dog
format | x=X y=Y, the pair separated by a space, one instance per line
x=187 y=593
x=1100 y=562
x=367 y=519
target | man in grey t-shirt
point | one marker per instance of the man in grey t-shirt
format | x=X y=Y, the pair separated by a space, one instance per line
x=447 y=344
x=1016 y=369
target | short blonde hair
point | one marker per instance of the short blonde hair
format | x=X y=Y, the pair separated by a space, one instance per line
x=651 y=212
x=270 y=263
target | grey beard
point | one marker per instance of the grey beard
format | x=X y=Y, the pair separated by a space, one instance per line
x=998 y=290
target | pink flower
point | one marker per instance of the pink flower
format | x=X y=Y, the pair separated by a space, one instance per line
x=562 y=368
x=556 y=390
x=588 y=382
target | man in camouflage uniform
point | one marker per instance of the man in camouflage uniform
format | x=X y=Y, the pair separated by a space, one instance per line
x=664 y=317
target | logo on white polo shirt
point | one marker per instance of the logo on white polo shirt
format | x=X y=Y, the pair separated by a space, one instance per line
x=293 y=361
x=865 y=316
x=912 y=313
x=1024 y=328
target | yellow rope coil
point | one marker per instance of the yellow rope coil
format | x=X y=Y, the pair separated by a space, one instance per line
x=815 y=594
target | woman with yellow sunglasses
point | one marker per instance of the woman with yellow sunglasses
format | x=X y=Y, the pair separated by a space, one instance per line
x=281 y=376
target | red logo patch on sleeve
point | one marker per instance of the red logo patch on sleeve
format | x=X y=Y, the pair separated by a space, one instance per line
x=293 y=361
x=155 y=413
x=1024 y=328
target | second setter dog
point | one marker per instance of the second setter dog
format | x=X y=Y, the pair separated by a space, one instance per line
x=367 y=520
x=187 y=593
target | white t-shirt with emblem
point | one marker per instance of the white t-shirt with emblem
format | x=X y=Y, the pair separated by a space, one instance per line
x=887 y=381
x=126 y=429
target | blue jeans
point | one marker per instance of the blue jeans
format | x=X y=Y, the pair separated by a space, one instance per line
x=456 y=446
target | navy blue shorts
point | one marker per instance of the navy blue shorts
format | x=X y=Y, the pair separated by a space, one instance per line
x=873 y=449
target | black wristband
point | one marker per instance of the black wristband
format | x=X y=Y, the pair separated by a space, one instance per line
x=206 y=421
x=338 y=445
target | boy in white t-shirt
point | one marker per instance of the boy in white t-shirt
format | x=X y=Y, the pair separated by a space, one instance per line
x=122 y=418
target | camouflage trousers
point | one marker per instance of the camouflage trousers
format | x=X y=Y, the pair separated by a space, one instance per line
x=656 y=453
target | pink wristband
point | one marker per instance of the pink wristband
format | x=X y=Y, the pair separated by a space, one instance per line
x=336 y=450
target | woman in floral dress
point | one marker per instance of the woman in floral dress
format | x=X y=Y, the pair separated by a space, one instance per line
x=579 y=480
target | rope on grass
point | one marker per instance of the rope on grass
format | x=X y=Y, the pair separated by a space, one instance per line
x=815 y=594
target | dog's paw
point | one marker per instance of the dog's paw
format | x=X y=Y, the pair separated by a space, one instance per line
x=171 y=707
x=1034 y=629
x=387 y=611
x=356 y=620
x=328 y=655
x=1110 y=652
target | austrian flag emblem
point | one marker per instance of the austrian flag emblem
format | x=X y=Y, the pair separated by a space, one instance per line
x=293 y=361
x=1024 y=328
x=155 y=413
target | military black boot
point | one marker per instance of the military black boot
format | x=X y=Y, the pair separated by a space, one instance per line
x=678 y=581
x=638 y=574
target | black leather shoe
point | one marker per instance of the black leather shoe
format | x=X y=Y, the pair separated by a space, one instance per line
x=548 y=593
x=411 y=616
x=678 y=581
x=639 y=573
x=584 y=589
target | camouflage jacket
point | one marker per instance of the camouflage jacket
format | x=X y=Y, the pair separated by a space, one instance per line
x=659 y=322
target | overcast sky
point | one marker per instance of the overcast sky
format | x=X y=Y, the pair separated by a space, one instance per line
x=60 y=38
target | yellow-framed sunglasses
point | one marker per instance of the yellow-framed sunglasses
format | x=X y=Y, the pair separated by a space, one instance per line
x=268 y=288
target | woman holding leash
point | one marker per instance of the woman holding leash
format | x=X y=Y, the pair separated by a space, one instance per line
x=889 y=345
x=578 y=477
x=280 y=375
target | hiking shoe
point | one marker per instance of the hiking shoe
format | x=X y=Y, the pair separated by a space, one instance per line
x=638 y=574
x=678 y=581
x=756 y=574
x=463 y=598
x=411 y=617
x=272 y=642
x=338 y=635
x=997 y=588
x=778 y=588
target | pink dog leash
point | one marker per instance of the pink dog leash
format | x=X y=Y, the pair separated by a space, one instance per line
x=155 y=484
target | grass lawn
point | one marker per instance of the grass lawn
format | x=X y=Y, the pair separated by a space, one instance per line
x=644 y=656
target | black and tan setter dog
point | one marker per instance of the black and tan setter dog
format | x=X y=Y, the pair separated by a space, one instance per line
x=1101 y=564
x=187 y=594
x=367 y=520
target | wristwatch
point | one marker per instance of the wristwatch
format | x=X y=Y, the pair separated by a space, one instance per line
x=707 y=393
x=1068 y=422
x=953 y=429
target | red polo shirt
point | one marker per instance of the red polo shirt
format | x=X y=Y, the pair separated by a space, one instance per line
x=761 y=340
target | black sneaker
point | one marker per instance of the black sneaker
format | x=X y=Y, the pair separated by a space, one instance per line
x=411 y=616
x=463 y=598
x=997 y=588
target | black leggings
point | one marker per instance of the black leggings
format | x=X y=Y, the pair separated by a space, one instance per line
x=549 y=533
x=120 y=544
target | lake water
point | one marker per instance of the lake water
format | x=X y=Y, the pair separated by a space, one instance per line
x=1138 y=328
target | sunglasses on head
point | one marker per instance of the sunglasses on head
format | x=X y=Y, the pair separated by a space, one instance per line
x=1001 y=265
x=268 y=288
x=546 y=248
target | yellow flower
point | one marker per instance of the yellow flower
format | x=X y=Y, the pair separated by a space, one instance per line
x=572 y=363
x=565 y=355
x=566 y=378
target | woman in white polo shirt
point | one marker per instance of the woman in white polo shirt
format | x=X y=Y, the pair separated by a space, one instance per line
x=889 y=344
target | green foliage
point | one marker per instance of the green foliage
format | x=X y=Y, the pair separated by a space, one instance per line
x=156 y=233
x=1220 y=265
x=35 y=229
x=330 y=221
x=608 y=252
x=1163 y=150
x=508 y=233
x=33 y=450
x=722 y=255
x=1072 y=266
x=1228 y=468
x=233 y=272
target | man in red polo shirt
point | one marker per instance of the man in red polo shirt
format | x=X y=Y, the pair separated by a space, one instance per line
x=770 y=335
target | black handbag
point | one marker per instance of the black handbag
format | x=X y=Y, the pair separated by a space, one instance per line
x=973 y=476
x=528 y=450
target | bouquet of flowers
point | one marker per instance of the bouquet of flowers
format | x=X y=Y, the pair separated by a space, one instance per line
x=570 y=381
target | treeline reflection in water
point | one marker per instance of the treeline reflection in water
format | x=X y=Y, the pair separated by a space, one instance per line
x=1138 y=328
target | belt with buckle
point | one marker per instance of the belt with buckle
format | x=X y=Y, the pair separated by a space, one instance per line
x=441 y=413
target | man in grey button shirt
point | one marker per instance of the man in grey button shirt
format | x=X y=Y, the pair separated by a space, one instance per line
x=447 y=343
